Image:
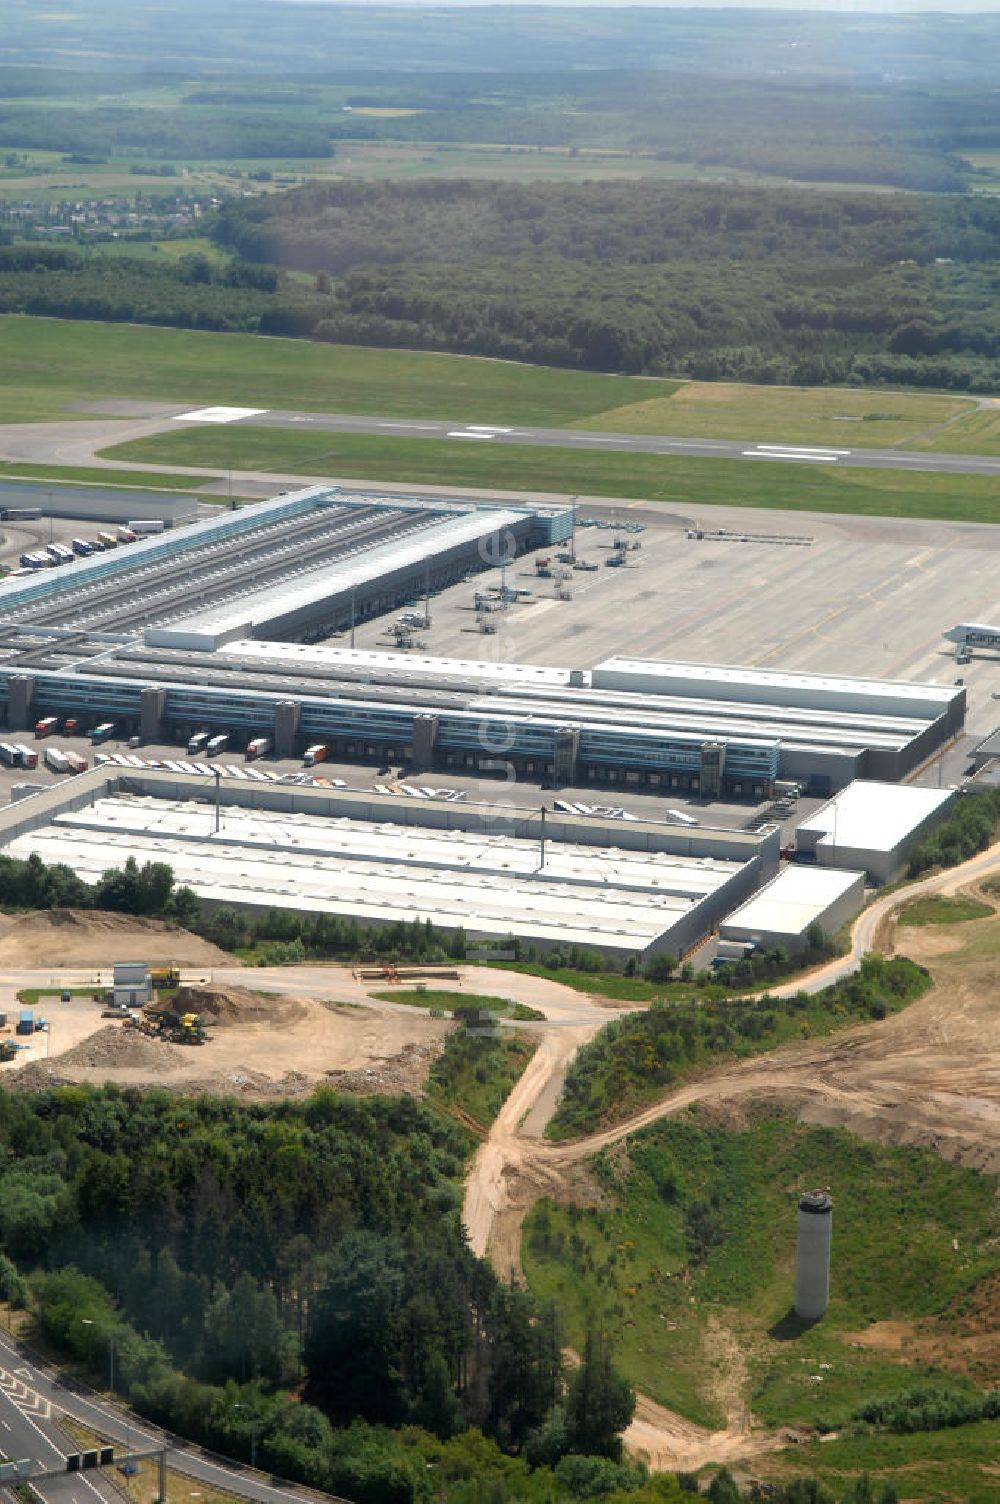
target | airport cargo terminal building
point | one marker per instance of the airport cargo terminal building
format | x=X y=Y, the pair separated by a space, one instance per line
x=215 y=625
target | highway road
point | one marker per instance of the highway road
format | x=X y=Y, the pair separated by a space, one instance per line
x=625 y=443
x=29 y=1428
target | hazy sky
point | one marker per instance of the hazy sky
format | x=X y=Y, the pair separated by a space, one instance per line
x=877 y=7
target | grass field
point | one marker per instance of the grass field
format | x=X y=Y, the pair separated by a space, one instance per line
x=621 y=988
x=680 y=480
x=82 y=475
x=942 y=910
x=46 y=364
x=686 y=1252
x=793 y=415
x=503 y=1007
x=979 y=433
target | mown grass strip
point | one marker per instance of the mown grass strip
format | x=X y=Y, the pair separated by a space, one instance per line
x=680 y=480
x=121 y=480
x=937 y=909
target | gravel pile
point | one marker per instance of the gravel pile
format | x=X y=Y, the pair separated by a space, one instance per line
x=116 y=1046
x=398 y=1075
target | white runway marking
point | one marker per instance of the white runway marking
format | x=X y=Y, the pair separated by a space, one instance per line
x=802 y=459
x=219 y=414
x=464 y=435
x=800 y=449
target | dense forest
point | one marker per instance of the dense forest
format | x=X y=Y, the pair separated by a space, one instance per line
x=190 y=292
x=293 y=1279
x=684 y=279
x=710 y=282
x=313 y=1245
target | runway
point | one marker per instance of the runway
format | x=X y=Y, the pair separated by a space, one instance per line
x=624 y=443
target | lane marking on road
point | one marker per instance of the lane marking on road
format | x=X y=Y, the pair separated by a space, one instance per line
x=487 y=428
x=28 y=1401
x=464 y=435
x=423 y=427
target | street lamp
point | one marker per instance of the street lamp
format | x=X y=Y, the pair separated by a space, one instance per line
x=218 y=795
x=86 y=1321
x=253 y=1432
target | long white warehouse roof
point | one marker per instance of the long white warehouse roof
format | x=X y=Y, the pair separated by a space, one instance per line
x=798 y=897
x=414 y=668
x=491 y=885
x=769 y=686
x=873 y=816
x=352 y=572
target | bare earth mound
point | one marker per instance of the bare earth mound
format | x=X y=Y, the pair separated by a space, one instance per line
x=82 y=937
x=114 y=1045
x=220 y=1006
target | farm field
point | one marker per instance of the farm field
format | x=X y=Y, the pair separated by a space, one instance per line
x=417 y=159
x=682 y=481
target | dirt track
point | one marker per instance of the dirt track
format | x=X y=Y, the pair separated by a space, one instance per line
x=929 y=1076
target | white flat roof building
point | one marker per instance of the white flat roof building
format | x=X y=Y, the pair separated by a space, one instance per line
x=490 y=885
x=417 y=669
x=782 y=912
x=871 y=827
x=772 y=687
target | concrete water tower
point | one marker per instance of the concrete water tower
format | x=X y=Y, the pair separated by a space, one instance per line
x=812 y=1255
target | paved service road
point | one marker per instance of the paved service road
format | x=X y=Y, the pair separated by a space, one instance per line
x=28 y=1429
x=627 y=443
